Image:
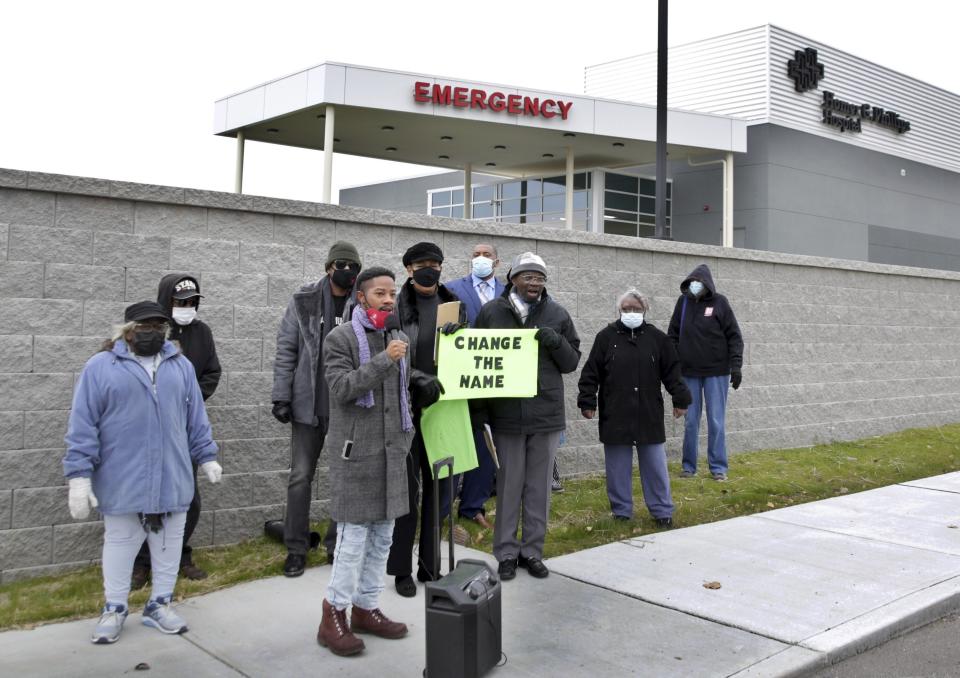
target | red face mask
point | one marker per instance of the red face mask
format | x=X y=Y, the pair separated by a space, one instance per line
x=378 y=318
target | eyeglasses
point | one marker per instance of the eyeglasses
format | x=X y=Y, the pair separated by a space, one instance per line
x=185 y=303
x=151 y=326
x=436 y=265
x=529 y=278
x=341 y=264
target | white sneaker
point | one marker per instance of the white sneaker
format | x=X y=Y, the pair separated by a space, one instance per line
x=110 y=625
x=160 y=615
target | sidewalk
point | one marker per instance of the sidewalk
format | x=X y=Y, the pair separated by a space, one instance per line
x=800 y=587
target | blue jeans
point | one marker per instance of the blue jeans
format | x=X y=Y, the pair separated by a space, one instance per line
x=713 y=390
x=653 y=479
x=360 y=564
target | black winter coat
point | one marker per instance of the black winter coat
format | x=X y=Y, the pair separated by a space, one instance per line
x=544 y=413
x=627 y=367
x=709 y=343
x=409 y=317
x=195 y=339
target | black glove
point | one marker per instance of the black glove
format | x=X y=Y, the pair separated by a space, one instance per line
x=282 y=411
x=450 y=328
x=426 y=391
x=549 y=338
x=735 y=379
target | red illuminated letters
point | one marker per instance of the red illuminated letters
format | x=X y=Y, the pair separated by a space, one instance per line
x=513 y=104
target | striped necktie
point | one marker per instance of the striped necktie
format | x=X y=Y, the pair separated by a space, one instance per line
x=483 y=293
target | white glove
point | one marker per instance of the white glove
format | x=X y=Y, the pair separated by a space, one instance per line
x=213 y=471
x=81 y=498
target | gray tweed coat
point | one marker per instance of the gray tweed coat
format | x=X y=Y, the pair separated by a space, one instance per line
x=372 y=484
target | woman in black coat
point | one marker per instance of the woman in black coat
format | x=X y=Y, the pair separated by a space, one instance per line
x=629 y=361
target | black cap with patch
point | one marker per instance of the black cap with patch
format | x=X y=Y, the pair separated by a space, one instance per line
x=188 y=288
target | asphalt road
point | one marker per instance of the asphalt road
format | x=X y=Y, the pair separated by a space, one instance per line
x=932 y=651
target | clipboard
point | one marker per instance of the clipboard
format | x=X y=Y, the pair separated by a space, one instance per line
x=488 y=439
x=448 y=312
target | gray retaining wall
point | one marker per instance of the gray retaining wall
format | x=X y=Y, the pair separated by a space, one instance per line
x=834 y=349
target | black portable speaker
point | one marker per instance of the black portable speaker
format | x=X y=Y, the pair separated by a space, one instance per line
x=462 y=609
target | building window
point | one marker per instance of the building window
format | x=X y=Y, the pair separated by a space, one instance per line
x=539 y=200
x=629 y=205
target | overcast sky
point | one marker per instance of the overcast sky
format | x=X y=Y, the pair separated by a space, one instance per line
x=125 y=90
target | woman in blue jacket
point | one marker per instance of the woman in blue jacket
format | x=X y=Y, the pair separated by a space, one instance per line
x=136 y=426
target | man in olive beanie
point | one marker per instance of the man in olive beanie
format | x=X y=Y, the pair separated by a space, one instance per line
x=300 y=395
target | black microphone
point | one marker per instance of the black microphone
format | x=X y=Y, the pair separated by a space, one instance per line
x=392 y=326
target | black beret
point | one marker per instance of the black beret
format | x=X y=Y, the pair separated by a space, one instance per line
x=145 y=310
x=422 y=251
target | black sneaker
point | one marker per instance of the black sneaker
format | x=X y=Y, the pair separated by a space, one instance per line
x=507 y=569
x=663 y=522
x=534 y=566
x=294 y=565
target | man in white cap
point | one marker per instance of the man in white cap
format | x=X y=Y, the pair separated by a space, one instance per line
x=527 y=431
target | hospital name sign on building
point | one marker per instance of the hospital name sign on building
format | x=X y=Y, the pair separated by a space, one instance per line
x=806 y=71
x=512 y=104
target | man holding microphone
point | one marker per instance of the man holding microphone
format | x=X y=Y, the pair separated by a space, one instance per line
x=371 y=428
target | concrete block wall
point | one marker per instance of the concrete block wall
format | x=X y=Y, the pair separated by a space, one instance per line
x=834 y=349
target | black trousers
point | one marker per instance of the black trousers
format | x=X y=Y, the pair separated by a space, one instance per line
x=399 y=563
x=193 y=517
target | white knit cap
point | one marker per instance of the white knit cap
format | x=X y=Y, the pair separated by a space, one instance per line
x=528 y=261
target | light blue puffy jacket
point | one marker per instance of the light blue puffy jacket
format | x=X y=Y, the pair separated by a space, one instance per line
x=136 y=439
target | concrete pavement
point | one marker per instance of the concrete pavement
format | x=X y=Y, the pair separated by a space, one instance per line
x=799 y=588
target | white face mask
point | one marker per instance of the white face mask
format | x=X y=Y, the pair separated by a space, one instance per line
x=482 y=267
x=631 y=320
x=184 y=315
x=696 y=287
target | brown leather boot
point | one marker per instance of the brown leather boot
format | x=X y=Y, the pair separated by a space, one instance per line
x=375 y=622
x=335 y=634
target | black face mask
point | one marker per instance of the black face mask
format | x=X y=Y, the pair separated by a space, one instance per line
x=148 y=343
x=426 y=277
x=344 y=278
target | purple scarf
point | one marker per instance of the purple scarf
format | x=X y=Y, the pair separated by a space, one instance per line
x=361 y=323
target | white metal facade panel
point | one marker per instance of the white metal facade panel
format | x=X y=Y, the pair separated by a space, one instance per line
x=245 y=108
x=282 y=96
x=219 y=116
x=933 y=113
x=726 y=75
x=368 y=88
x=614 y=119
x=325 y=84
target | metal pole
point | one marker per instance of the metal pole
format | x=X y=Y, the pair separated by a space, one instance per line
x=467 y=191
x=568 y=202
x=728 y=201
x=238 y=176
x=328 y=153
x=661 y=195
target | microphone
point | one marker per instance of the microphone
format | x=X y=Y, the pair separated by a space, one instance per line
x=392 y=327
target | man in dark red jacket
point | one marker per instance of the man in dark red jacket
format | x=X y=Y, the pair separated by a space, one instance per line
x=707 y=336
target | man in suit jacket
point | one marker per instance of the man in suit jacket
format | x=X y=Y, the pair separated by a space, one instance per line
x=475 y=290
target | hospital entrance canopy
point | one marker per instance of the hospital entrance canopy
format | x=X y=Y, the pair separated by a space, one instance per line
x=461 y=125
